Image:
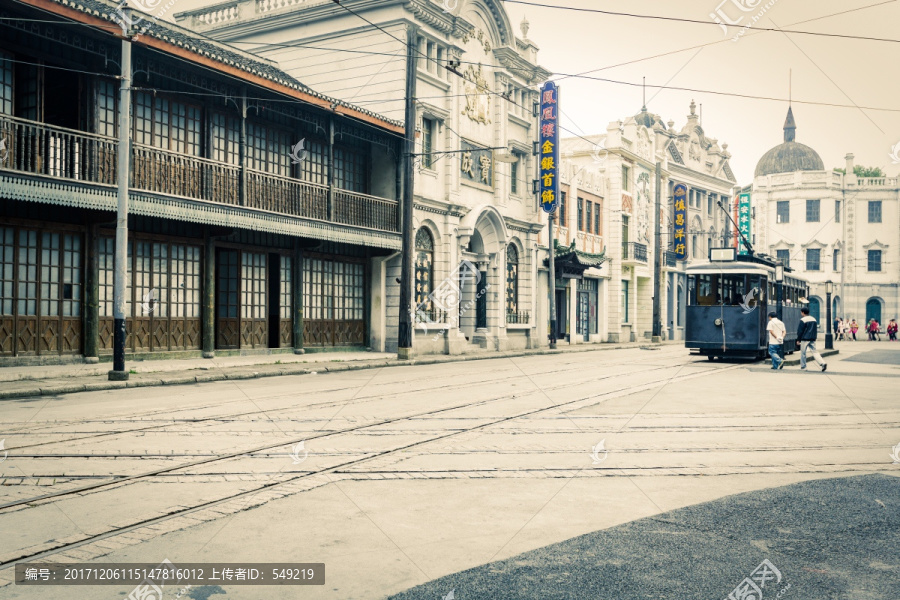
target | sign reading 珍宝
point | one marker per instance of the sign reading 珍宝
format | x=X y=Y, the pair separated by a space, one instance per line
x=549 y=147
x=744 y=220
x=680 y=240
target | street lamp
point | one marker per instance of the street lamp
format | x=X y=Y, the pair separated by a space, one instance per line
x=779 y=289
x=829 y=336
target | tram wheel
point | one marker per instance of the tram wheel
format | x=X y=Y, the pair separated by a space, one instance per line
x=710 y=357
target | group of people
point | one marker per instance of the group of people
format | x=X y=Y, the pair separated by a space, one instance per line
x=846 y=330
x=807 y=332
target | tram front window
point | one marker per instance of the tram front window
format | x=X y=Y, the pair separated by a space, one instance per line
x=727 y=290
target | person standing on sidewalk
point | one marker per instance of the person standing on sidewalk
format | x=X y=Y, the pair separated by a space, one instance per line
x=776 y=340
x=807 y=333
x=854 y=327
x=892 y=330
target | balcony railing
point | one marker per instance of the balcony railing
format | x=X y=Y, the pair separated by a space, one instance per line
x=520 y=317
x=47 y=150
x=42 y=149
x=632 y=251
x=671 y=259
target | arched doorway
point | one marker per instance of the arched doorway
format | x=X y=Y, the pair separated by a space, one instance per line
x=815 y=309
x=873 y=310
x=836 y=310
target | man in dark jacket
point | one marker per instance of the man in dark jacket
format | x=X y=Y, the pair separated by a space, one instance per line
x=807 y=332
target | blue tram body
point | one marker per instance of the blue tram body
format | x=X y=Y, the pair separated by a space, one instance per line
x=728 y=305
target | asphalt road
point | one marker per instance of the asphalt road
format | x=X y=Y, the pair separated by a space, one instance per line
x=832 y=538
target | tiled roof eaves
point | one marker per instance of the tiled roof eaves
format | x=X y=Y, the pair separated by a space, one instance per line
x=215 y=51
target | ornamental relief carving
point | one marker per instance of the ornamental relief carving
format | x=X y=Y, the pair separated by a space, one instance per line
x=478 y=96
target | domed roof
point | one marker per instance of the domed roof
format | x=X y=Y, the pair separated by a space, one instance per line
x=790 y=156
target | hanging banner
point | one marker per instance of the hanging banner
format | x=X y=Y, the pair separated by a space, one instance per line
x=549 y=147
x=680 y=196
x=744 y=221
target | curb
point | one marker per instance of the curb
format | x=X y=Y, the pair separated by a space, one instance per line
x=306 y=369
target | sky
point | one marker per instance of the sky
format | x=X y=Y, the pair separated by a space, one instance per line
x=851 y=72
x=830 y=70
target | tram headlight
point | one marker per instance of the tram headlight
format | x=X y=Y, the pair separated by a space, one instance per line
x=719 y=322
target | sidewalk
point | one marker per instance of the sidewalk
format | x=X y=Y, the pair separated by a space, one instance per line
x=54 y=380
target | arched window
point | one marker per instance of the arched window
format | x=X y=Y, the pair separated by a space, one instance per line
x=424 y=268
x=814 y=308
x=873 y=310
x=512 y=279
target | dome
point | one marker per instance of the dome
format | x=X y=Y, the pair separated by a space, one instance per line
x=790 y=156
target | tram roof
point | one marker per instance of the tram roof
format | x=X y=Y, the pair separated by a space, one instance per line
x=739 y=266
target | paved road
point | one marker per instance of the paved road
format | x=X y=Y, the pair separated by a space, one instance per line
x=409 y=474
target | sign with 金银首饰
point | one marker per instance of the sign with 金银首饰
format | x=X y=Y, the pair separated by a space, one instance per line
x=548 y=150
x=744 y=221
x=680 y=230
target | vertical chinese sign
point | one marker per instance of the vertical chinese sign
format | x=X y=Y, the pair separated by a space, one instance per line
x=680 y=196
x=744 y=220
x=549 y=147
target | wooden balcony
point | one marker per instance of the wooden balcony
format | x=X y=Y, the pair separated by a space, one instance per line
x=45 y=150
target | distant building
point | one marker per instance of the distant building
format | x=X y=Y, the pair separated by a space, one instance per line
x=831 y=226
x=610 y=192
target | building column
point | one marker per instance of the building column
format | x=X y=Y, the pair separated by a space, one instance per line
x=572 y=286
x=92 y=299
x=297 y=298
x=208 y=312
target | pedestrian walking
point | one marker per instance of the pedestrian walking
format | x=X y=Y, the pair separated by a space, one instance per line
x=892 y=330
x=839 y=329
x=776 y=340
x=807 y=333
x=854 y=327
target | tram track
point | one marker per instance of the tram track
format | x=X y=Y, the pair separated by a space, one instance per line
x=126 y=480
x=236 y=416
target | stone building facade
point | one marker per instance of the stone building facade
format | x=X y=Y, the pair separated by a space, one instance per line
x=831 y=226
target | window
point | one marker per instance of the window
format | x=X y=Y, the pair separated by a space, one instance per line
x=597 y=218
x=512 y=279
x=625 y=301
x=226 y=134
x=514 y=176
x=709 y=204
x=424 y=268
x=315 y=168
x=625 y=229
x=166 y=124
x=588 y=216
x=812 y=211
x=430 y=51
x=106 y=108
x=6 y=83
x=427 y=143
x=837 y=211
x=836 y=259
x=783 y=214
x=813 y=262
x=874 y=211
x=350 y=170
x=581 y=214
x=441 y=71
x=874 y=260
x=626 y=178
x=562 y=208
x=695 y=252
x=268 y=149
x=784 y=256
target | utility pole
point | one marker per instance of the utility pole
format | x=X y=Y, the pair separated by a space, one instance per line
x=118 y=372
x=552 y=285
x=406 y=325
x=657 y=262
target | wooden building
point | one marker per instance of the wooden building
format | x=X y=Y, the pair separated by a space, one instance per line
x=239 y=238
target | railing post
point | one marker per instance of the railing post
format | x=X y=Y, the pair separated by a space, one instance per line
x=330 y=209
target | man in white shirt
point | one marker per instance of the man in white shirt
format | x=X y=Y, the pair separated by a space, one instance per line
x=777 y=332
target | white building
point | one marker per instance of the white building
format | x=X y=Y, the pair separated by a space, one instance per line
x=615 y=173
x=829 y=226
x=468 y=206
